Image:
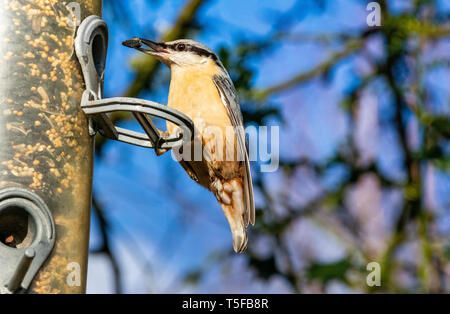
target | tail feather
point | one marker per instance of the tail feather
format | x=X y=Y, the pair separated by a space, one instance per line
x=238 y=230
x=230 y=195
x=248 y=192
x=240 y=240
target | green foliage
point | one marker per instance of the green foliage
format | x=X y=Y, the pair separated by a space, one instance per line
x=447 y=253
x=264 y=267
x=327 y=272
x=193 y=277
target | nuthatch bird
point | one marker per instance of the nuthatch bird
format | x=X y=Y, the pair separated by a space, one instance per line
x=201 y=88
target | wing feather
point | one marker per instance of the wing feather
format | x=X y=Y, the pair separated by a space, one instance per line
x=231 y=102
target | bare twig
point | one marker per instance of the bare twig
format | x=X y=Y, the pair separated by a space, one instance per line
x=105 y=248
x=323 y=67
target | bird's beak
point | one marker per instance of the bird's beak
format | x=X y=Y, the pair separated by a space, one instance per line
x=146 y=46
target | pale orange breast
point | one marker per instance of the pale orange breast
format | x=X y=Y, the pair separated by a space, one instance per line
x=193 y=92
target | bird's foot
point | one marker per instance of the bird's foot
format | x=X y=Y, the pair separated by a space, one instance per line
x=160 y=151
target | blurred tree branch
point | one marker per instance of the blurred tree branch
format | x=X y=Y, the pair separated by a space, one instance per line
x=323 y=67
x=105 y=248
x=396 y=34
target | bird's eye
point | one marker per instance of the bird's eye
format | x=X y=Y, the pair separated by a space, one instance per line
x=181 y=47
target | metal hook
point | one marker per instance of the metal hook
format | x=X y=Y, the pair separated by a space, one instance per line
x=91 y=46
x=26 y=216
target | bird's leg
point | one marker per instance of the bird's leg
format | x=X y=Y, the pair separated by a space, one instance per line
x=158 y=150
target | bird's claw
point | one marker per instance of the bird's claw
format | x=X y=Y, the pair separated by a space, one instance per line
x=160 y=141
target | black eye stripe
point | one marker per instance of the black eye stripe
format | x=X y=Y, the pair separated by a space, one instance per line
x=202 y=52
x=197 y=50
